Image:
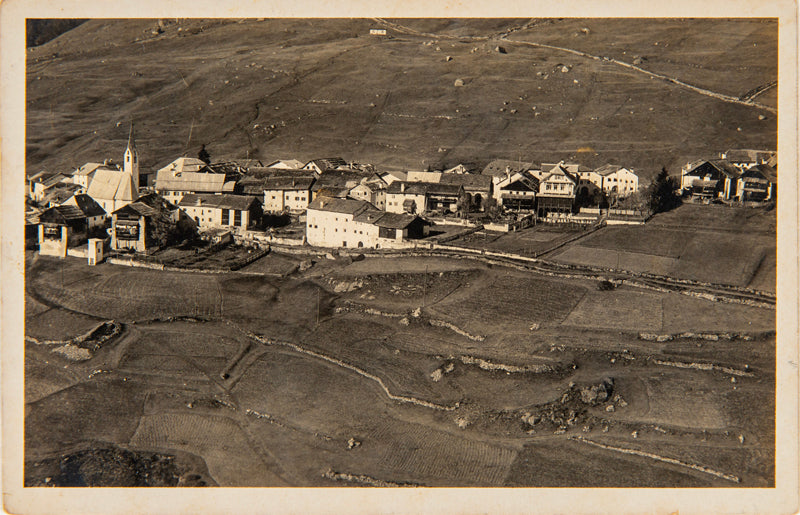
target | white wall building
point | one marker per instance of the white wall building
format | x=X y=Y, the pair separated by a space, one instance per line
x=333 y=222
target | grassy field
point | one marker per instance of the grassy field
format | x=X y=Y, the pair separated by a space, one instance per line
x=283 y=417
x=225 y=447
x=713 y=244
x=619 y=309
x=516 y=300
x=406 y=112
x=527 y=242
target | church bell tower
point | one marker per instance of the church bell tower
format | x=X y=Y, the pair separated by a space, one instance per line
x=131 y=164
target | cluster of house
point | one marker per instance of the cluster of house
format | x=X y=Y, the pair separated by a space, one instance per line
x=736 y=176
x=338 y=198
x=345 y=204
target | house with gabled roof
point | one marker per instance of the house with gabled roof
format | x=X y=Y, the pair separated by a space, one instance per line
x=557 y=188
x=286 y=164
x=337 y=183
x=710 y=179
x=148 y=223
x=747 y=158
x=617 y=180
x=333 y=222
x=505 y=167
x=94 y=212
x=61 y=227
x=239 y=212
x=517 y=191
x=757 y=184
x=326 y=164
x=287 y=193
x=59 y=194
x=40 y=182
x=371 y=189
x=187 y=175
x=419 y=197
x=477 y=187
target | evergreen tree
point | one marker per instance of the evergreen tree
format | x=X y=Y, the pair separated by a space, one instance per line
x=662 y=193
x=203 y=155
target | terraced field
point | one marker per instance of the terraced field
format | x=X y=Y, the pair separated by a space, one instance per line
x=295 y=380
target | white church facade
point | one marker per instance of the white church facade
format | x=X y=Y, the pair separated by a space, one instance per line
x=113 y=189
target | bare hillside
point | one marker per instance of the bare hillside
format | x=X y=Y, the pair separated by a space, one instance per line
x=305 y=88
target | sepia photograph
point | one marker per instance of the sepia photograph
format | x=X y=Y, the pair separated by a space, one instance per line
x=402 y=252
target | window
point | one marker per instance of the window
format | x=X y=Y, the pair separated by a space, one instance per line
x=237 y=218
x=226 y=219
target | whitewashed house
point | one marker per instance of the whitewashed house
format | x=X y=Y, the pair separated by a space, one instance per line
x=334 y=222
x=557 y=188
x=617 y=180
x=209 y=211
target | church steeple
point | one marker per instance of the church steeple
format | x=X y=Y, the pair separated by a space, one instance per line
x=131 y=163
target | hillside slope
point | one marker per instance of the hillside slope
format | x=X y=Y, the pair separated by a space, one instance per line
x=305 y=88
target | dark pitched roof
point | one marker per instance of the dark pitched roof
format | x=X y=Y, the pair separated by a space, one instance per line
x=148 y=205
x=468 y=180
x=764 y=171
x=423 y=188
x=721 y=165
x=52 y=180
x=88 y=205
x=748 y=155
x=498 y=167
x=62 y=214
x=291 y=183
x=61 y=192
x=236 y=202
x=340 y=205
x=395 y=220
x=328 y=163
x=607 y=169
x=338 y=179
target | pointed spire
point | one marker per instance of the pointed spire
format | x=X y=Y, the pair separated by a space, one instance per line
x=131 y=142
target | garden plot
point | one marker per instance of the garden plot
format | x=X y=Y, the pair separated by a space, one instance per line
x=230 y=456
x=685 y=313
x=618 y=260
x=638 y=239
x=42 y=378
x=402 y=292
x=58 y=324
x=691 y=400
x=309 y=393
x=509 y=302
x=566 y=462
x=621 y=309
x=409 y=265
x=189 y=355
x=130 y=294
x=437 y=458
x=722 y=258
x=272 y=264
x=97 y=410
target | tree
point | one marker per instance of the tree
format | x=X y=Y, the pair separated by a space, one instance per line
x=203 y=155
x=661 y=195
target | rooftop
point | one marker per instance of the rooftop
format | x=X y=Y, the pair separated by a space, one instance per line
x=224 y=201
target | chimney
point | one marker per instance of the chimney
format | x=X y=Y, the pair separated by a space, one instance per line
x=402 y=187
x=508 y=172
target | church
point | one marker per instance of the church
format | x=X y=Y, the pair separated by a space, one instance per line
x=113 y=189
